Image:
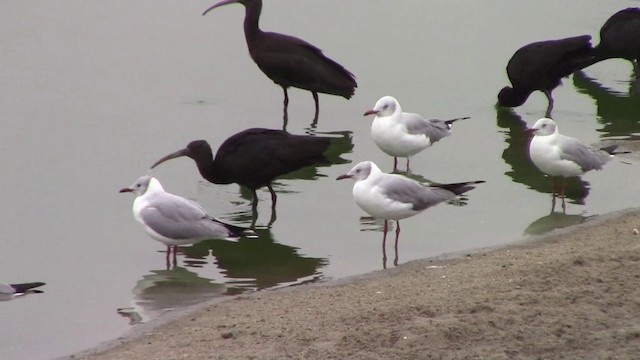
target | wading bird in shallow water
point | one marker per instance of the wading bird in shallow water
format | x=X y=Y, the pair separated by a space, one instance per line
x=292 y=62
x=542 y=65
x=560 y=155
x=11 y=291
x=253 y=158
x=395 y=197
x=620 y=38
x=174 y=220
x=401 y=134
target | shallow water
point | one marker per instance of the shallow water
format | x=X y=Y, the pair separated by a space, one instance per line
x=94 y=92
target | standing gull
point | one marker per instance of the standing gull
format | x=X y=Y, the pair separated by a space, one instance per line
x=401 y=134
x=395 y=197
x=174 y=220
x=560 y=155
x=290 y=61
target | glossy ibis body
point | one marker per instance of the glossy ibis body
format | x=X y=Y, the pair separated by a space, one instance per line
x=254 y=157
x=292 y=62
x=620 y=37
x=542 y=65
x=401 y=134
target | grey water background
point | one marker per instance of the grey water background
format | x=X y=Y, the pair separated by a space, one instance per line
x=92 y=93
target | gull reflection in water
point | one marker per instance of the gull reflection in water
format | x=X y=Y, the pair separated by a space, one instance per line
x=163 y=290
x=553 y=221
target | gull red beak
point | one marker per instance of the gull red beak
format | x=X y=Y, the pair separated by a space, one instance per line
x=345 y=176
x=370 y=112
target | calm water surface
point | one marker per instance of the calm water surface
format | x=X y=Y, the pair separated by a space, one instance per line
x=92 y=93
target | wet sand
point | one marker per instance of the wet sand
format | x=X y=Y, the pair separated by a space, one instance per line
x=572 y=294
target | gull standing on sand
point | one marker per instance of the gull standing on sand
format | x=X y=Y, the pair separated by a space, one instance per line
x=395 y=197
x=401 y=134
x=560 y=155
x=174 y=220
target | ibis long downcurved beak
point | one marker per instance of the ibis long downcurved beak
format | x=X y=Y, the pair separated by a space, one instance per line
x=173 y=155
x=221 y=3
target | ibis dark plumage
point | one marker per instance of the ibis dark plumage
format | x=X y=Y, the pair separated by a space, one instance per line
x=620 y=37
x=542 y=65
x=254 y=157
x=292 y=62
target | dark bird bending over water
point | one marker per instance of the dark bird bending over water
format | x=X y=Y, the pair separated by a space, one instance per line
x=620 y=37
x=254 y=157
x=290 y=61
x=542 y=65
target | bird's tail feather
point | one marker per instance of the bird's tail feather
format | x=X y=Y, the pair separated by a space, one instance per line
x=459 y=188
x=451 y=121
x=24 y=287
x=611 y=150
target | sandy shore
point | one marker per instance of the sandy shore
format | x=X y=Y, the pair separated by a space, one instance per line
x=574 y=294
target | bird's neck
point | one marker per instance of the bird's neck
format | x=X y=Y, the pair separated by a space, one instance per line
x=212 y=172
x=251 y=21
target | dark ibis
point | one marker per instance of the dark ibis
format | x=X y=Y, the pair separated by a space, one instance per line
x=253 y=158
x=174 y=220
x=620 y=37
x=541 y=66
x=292 y=62
x=395 y=197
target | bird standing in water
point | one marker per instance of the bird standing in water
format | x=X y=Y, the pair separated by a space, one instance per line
x=542 y=65
x=559 y=155
x=292 y=62
x=401 y=134
x=395 y=197
x=620 y=38
x=174 y=220
x=254 y=157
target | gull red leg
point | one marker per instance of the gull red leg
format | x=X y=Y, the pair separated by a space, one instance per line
x=384 y=245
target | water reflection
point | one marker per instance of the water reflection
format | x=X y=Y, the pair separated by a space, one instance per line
x=555 y=220
x=167 y=289
x=254 y=264
x=522 y=170
x=619 y=113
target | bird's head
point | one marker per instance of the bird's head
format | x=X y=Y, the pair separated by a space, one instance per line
x=227 y=2
x=511 y=97
x=359 y=172
x=141 y=185
x=543 y=127
x=386 y=106
x=198 y=149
